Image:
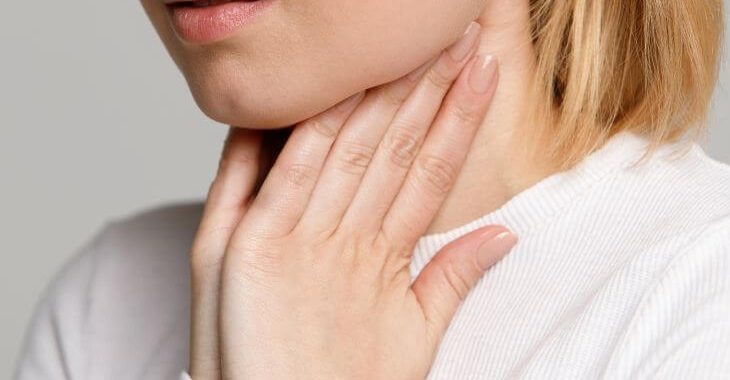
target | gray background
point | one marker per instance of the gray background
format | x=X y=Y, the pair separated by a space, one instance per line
x=96 y=123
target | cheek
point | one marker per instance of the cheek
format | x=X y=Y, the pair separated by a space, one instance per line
x=259 y=93
x=338 y=47
x=271 y=74
x=311 y=54
x=385 y=39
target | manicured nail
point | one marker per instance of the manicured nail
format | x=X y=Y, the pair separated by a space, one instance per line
x=494 y=248
x=483 y=73
x=459 y=50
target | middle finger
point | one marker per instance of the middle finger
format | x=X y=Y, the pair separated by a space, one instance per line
x=402 y=140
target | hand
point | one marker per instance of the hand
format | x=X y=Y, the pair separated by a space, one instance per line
x=308 y=277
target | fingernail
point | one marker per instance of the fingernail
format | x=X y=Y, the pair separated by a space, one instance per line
x=494 y=248
x=483 y=73
x=350 y=102
x=459 y=50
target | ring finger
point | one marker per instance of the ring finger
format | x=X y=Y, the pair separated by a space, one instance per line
x=353 y=150
x=403 y=137
x=288 y=185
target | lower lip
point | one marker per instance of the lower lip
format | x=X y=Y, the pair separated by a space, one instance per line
x=215 y=22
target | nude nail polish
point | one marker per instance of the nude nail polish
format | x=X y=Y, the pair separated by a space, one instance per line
x=483 y=73
x=494 y=248
x=460 y=50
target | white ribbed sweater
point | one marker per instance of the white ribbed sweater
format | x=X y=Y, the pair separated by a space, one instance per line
x=619 y=273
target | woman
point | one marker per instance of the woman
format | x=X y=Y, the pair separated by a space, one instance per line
x=356 y=249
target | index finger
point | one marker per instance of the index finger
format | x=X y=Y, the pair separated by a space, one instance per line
x=444 y=151
x=229 y=192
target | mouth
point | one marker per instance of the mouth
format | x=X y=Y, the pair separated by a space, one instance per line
x=206 y=21
x=203 y=3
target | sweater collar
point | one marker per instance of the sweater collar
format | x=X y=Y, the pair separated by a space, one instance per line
x=540 y=202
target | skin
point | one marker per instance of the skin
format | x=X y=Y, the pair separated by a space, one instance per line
x=265 y=267
x=302 y=57
x=264 y=77
x=308 y=278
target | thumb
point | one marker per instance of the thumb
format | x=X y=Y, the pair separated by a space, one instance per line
x=452 y=273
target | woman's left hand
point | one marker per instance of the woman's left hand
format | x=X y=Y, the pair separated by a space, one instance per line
x=314 y=282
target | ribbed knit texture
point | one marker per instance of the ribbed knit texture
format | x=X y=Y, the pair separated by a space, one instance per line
x=621 y=272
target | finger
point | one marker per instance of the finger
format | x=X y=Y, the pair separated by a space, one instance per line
x=447 y=279
x=228 y=196
x=355 y=147
x=226 y=202
x=272 y=143
x=353 y=150
x=286 y=190
x=395 y=152
x=442 y=156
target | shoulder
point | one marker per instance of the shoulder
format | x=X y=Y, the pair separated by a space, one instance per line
x=678 y=206
x=676 y=190
x=120 y=303
x=142 y=257
x=140 y=240
x=692 y=172
x=682 y=175
x=680 y=329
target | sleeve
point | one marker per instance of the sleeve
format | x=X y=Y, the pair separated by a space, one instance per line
x=682 y=328
x=54 y=341
x=185 y=376
x=698 y=347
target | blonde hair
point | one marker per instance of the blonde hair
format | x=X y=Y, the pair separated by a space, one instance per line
x=649 y=66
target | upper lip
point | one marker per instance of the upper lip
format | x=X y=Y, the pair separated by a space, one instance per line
x=172 y=2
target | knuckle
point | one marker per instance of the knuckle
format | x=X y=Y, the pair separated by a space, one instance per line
x=392 y=255
x=255 y=262
x=439 y=77
x=202 y=263
x=317 y=235
x=299 y=175
x=436 y=174
x=206 y=258
x=396 y=225
x=391 y=243
x=455 y=281
x=222 y=201
x=401 y=147
x=390 y=97
x=322 y=127
x=229 y=162
x=464 y=114
x=355 y=157
x=395 y=262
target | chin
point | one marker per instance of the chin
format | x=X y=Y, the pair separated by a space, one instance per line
x=237 y=109
x=244 y=105
x=234 y=96
x=301 y=57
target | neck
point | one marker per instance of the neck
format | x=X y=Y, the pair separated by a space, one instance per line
x=498 y=165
